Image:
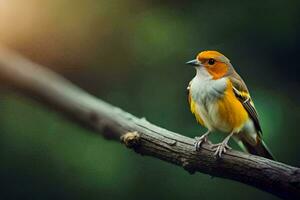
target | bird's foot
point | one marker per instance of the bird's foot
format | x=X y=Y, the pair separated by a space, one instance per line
x=221 y=148
x=201 y=140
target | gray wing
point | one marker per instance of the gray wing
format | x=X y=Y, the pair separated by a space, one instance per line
x=241 y=91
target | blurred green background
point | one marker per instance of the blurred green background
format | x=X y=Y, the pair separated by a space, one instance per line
x=131 y=53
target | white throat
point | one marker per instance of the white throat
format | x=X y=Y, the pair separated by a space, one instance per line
x=202 y=73
x=204 y=87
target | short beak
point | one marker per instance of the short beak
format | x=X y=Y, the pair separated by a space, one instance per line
x=193 y=63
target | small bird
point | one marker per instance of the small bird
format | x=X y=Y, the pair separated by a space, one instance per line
x=220 y=101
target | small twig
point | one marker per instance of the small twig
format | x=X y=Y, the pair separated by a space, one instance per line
x=41 y=84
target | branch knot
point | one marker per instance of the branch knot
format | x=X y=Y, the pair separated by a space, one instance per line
x=131 y=139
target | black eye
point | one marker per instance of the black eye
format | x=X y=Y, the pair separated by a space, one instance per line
x=211 y=61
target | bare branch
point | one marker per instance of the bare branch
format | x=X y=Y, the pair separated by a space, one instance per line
x=39 y=83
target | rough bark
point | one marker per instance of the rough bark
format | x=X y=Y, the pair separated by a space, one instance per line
x=39 y=83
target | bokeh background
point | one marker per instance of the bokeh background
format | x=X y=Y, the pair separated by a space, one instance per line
x=131 y=53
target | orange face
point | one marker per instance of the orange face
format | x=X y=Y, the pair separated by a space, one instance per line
x=214 y=62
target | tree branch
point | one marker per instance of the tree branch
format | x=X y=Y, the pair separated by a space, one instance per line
x=39 y=83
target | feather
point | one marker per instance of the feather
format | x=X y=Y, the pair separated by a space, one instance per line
x=241 y=91
x=188 y=93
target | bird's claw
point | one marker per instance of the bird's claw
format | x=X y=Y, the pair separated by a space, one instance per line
x=200 y=141
x=220 y=148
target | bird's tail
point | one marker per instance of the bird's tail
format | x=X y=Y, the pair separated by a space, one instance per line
x=258 y=148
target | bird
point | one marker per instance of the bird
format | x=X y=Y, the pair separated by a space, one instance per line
x=220 y=101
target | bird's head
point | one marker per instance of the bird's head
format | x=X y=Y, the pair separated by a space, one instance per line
x=215 y=63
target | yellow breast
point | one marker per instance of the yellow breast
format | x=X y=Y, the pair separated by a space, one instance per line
x=225 y=114
x=193 y=107
x=231 y=110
